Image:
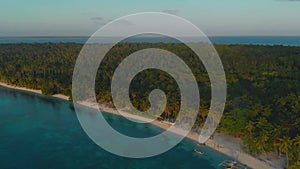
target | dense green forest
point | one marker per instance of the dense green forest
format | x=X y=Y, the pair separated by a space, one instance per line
x=263 y=86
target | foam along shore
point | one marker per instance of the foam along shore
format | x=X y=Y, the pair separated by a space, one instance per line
x=222 y=143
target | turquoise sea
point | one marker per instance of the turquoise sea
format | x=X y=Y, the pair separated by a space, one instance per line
x=38 y=132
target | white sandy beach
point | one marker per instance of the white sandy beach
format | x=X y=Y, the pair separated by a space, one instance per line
x=223 y=143
x=21 y=88
x=61 y=96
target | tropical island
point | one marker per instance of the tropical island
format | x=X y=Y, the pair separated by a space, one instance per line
x=263 y=101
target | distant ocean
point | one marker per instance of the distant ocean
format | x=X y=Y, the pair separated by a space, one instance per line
x=250 y=40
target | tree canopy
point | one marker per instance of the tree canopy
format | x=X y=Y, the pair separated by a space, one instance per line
x=263 y=96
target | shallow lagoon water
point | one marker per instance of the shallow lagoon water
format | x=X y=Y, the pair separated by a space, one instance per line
x=41 y=132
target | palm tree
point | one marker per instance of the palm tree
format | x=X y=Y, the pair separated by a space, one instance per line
x=285 y=146
x=264 y=138
x=297 y=141
x=276 y=134
x=259 y=146
x=296 y=165
x=250 y=127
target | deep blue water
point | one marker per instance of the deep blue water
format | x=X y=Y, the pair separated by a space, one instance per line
x=254 y=40
x=40 y=132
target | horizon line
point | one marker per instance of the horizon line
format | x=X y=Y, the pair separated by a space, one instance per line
x=147 y=36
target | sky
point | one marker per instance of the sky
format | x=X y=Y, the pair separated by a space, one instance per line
x=213 y=17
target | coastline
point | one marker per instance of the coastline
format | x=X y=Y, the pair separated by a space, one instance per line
x=60 y=96
x=220 y=144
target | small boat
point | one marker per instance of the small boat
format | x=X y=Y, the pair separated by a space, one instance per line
x=201 y=144
x=198 y=152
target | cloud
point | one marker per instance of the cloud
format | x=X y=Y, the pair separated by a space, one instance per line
x=97 y=18
x=171 y=11
x=122 y=22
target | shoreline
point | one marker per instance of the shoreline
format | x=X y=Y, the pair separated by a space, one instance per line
x=36 y=91
x=236 y=152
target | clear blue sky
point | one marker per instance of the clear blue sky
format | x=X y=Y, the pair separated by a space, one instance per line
x=83 y=17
